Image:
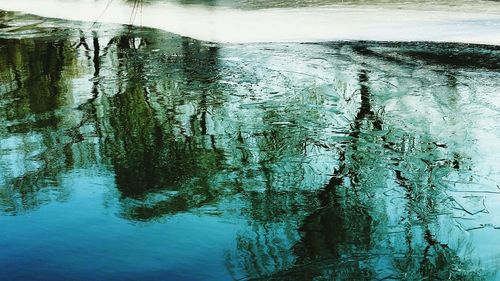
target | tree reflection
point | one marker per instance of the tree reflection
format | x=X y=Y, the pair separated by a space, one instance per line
x=324 y=193
x=348 y=237
x=34 y=94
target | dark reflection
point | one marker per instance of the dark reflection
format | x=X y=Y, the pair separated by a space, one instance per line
x=144 y=151
x=325 y=184
x=341 y=240
x=341 y=222
x=36 y=73
x=34 y=95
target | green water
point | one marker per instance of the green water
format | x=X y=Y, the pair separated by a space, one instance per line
x=134 y=154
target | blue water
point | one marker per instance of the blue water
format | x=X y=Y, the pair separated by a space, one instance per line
x=83 y=238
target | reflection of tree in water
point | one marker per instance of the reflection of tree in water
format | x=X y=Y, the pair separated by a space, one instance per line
x=147 y=157
x=342 y=221
x=166 y=154
x=153 y=119
x=347 y=237
x=34 y=102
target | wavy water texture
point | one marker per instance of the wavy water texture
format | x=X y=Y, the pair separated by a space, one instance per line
x=479 y=23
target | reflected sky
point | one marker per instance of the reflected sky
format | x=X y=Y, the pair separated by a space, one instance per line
x=133 y=154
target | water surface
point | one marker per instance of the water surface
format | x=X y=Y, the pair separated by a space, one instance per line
x=135 y=154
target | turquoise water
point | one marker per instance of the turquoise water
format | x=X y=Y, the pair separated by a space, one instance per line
x=134 y=154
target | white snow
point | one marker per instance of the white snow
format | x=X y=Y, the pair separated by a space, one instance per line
x=312 y=24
